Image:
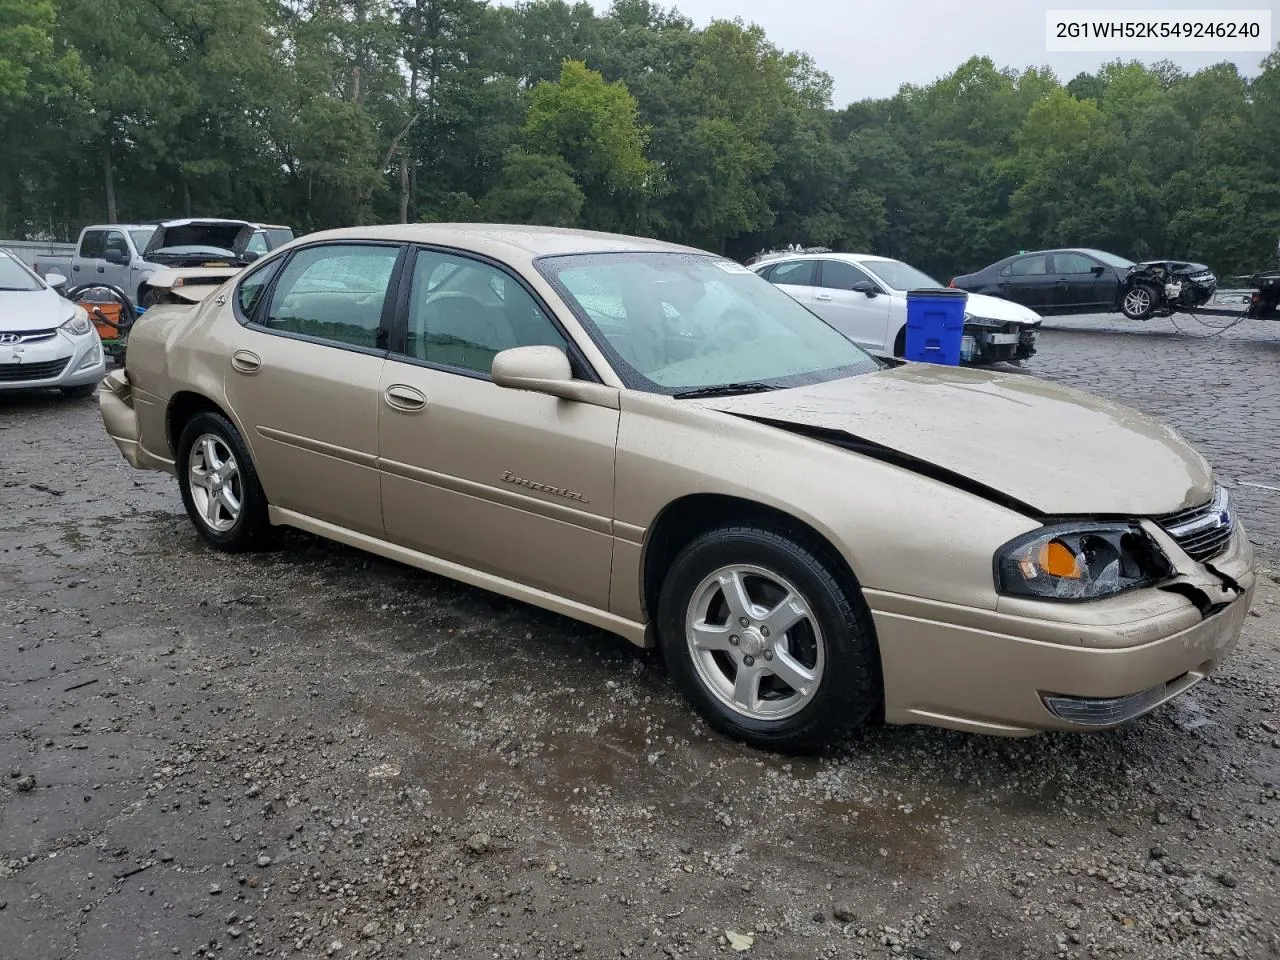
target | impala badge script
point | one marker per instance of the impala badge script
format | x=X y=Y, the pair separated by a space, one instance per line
x=510 y=477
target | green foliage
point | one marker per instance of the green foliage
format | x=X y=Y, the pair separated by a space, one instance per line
x=328 y=112
x=535 y=188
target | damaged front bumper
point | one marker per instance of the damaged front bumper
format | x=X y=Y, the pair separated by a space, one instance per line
x=1088 y=666
x=985 y=342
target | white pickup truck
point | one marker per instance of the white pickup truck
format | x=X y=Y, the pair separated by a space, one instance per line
x=125 y=256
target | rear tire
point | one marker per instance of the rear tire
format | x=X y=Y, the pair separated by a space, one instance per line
x=219 y=485
x=769 y=638
x=1139 y=301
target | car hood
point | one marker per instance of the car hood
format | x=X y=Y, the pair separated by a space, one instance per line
x=32 y=310
x=1178 y=267
x=223 y=235
x=996 y=308
x=1055 y=449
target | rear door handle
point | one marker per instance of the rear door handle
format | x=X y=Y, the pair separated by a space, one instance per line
x=822 y=296
x=405 y=399
x=242 y=361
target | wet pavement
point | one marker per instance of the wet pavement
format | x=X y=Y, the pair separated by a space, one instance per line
x=316 y=753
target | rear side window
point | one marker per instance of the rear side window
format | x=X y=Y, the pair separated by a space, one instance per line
x=797 y=273
x=258 y=243
x=1036 y=266
x=838 y=275
x=252 y=287
x=333 y=292
x=93 y=244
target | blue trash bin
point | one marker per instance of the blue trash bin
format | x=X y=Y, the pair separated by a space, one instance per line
x=935 y=325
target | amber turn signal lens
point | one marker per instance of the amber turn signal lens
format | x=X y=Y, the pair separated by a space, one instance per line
x=1057 y=560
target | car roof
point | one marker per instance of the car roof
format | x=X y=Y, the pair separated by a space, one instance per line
x=506 y=241
x=824 y=255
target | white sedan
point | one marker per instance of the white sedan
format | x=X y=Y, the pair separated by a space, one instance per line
x=865 y=298
x=46 y=341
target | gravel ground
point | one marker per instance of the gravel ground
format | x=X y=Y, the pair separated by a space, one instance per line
x=316 y=753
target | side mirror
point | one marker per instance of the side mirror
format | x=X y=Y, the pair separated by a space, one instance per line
x=112 y=255
x=55 y=280
x=1097 y=270
x=546 y=370
x=250 y=255
x=865 y=286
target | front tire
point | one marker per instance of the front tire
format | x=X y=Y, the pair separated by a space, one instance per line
x=769 y=638
x=219 y=484
x=1139 y=301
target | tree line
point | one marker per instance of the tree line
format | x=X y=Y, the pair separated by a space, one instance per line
x=320 y=113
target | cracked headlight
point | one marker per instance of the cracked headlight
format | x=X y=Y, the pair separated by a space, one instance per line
x=1080 y=561
x=78 y=324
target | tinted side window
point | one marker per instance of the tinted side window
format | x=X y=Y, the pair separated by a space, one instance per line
x=463 y=312
x=249 y=293
x=1031 y=266
x=1072 y=263
x=116 y=242
x=334 y=292
x=838 y=275
x=798 y=273
x=257 y=243
x=1006 y=270
x=93 y=244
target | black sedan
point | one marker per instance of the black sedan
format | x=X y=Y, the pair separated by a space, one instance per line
x=1053 y=281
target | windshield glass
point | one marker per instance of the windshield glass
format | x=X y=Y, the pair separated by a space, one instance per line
x=897 y=275
x=1110 y=259
x=673 y=322
x=141 y=237
x=15 y=276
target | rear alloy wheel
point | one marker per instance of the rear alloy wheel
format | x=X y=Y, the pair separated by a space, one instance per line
x=219 y=485
x=1138 y=302
x=767 y=639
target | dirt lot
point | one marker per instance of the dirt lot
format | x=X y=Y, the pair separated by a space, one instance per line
x=313 y=752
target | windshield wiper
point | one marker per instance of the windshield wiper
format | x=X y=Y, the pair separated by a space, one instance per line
x=726 y=390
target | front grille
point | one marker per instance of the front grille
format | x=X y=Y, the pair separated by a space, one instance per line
x=27 y=336
x=1203 y=531
x=15 y=372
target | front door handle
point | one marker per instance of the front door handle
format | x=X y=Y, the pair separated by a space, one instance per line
x=405 y=399
x=102 y=269
x=242 y=361
x=822 y=296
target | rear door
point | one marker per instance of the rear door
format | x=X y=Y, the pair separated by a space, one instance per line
x=1028 y=281
x=87 y=266
x=863 y=318
x=302 y=376
x=797 y=278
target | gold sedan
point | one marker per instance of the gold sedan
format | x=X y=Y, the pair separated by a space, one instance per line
x=652 y=439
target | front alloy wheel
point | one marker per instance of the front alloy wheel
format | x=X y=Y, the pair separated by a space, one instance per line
x=754 y=642
x=1138 y=303
x=219 y=484
x=768 y=635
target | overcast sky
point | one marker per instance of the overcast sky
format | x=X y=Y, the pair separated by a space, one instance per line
x=872 y=48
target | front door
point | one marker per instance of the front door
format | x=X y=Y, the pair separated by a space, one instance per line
x=1077 y=282
x=862 y=317
x=116 y=273
x=513 y=483
x=303 y=376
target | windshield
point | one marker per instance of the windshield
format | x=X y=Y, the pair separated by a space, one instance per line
x=1110 y=259
x=141 y=237
x=15 y=276
x=674 y=322
x=897 y=275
